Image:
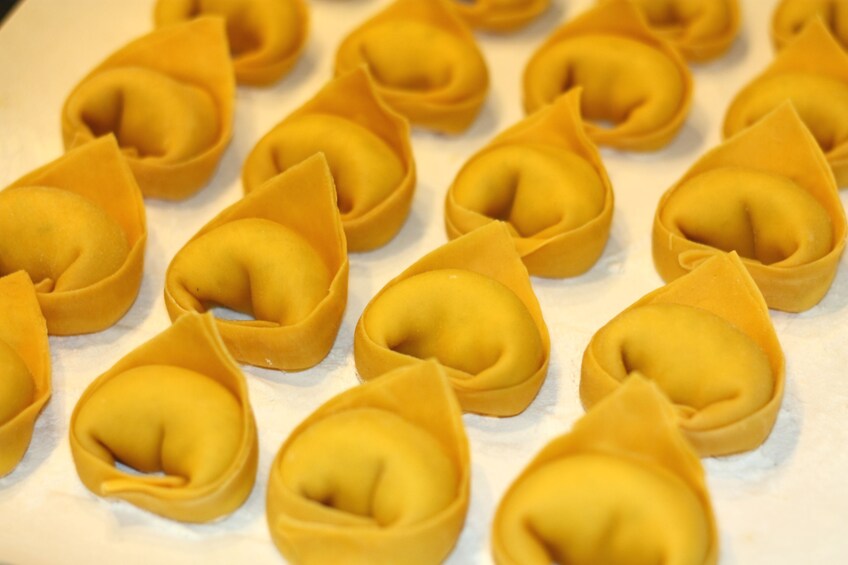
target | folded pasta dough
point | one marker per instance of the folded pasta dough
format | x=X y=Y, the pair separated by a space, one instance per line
x=623 y=487
x=168 y=98
x=767 y=193
x=24 y=367
x=791 y=16
x=266 y=37
x=77 y=226
x=470 y=305
x=700 y=29
x=379 y=474
x=632 y=79
x=176 y=412
x=367 y=146
x=424 y=60
x=546 y=180
x=707 y=340
x=500 y=15
x=811 y=72
x=277 y=255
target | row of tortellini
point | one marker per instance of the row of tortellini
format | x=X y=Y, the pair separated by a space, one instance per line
x=402 y=495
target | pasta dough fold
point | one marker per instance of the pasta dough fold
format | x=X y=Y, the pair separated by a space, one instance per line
x=25 y=385
x=279 y=256
x=546 y=180
x=768 y=194
x=424 y=60
x=632 y=79
x=470 y=305
x=379 y=474
x=367 y=146
x=812 y=73
x=500 y=15
x=707 y=340
x=168 y=98
x=700 y=29
x=623 y=487
x=791 y=16
x=266 y=37
x=175 y=410
x=77 y=226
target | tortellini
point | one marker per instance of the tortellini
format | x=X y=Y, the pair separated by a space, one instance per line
x=279 y=256
x=546 y=180
x=176 y=412
x=168 y=98
x=637 y=90
x=424 y=60
x=622 y=488
x=707 y=340
x=24 y=367
x=500 y=15
x=470 y=305
x=368 y=149
x=77 y=227
x=811 y=72
x=266 y=37
x=700 y=29
x=379 y=474
x=766 y=193
x=791 y=16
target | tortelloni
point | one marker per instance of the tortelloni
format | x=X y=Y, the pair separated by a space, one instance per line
x=700 y=29
x=791 y=16
x=266 y=37
x=500 y=15
x=546 y=180
x=279 y=256
x=768 y=194
x=379 y=474
x=637 y=89
x=77 y=227
x=470 y=305
x=424 y=60
x=707 y=340
x=169 y=428
x=812 y=73
x=168 y=98
x=368 y=149
x=622 y=488
x=24 y=367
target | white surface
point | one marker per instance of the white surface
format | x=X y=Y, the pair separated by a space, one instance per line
x=784 y=503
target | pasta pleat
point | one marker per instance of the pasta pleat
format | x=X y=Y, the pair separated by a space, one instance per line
x=500 y=15
x=791 y=16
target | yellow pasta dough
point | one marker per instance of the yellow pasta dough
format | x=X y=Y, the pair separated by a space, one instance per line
x=707 y=340
x=623 y=487
x=469 y=304
x=77 y=227
x=791 y=16
x=367 y=146
x=266 y=37
x=24 y=367
x=812 y=73
x=379 y=474
x=424 y=60
x=175 y=410
x=546 y=180
x=768 y=194
x=168 y=98
x=500 y=15
x=636 y=88
x=700 y=29
x=279 y=256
